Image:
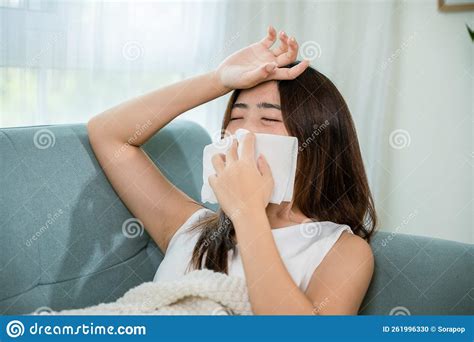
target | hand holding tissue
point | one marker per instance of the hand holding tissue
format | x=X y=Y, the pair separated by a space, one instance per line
x=280 y=151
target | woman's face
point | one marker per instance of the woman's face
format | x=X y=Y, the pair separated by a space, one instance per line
x=258 y=110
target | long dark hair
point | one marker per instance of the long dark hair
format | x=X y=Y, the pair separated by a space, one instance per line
x=331 y=183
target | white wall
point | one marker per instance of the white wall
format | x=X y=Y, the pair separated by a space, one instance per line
x=400 y=65
x=427 y=188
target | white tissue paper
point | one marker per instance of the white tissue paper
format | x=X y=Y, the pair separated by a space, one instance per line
x=280 y=151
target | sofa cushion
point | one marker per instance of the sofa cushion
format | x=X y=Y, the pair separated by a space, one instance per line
x=62 y=224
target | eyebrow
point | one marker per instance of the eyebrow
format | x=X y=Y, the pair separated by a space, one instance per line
x=259 y=105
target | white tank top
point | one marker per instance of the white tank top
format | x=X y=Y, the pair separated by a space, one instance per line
x=302 y=248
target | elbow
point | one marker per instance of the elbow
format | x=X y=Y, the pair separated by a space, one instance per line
x=101 y=129
x=97 y=132
x=97 y=129
x=92 y=128
x=92 y=125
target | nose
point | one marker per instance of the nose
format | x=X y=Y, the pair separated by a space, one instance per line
x=250 y=128
x=250 y=125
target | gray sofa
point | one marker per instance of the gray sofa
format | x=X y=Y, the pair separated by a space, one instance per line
x=62 y=245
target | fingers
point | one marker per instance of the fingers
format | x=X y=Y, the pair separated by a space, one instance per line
x=231 y=155
x=290 y=73
x=218 y=161
x=290 y=55
x=212 y=179
x=263 y=167
x=248 y=153
x=248 y=148
x=260 y=74
x=270 y=38
x=283 y=45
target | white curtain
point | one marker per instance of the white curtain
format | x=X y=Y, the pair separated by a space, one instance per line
x=351 y=42
x=66 y=61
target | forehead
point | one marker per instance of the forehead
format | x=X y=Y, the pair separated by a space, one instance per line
x=266 y=91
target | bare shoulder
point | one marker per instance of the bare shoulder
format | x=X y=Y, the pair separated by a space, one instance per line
x=353 y=247
x=343 y=276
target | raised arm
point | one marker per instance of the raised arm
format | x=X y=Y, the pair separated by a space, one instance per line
x=113 y=134
x=155 y=110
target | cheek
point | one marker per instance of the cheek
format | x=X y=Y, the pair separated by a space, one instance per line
x=234 y=125
x=231 y=128
x=277 y=129
x=282 y=130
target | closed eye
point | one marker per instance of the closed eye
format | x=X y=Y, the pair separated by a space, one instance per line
x=266 y=119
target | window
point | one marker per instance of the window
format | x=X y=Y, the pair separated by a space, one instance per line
x=65 y=61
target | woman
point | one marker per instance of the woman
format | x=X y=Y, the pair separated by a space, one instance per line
x=307 y=256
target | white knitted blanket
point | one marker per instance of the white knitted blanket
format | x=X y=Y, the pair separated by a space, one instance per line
x=199 y=292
